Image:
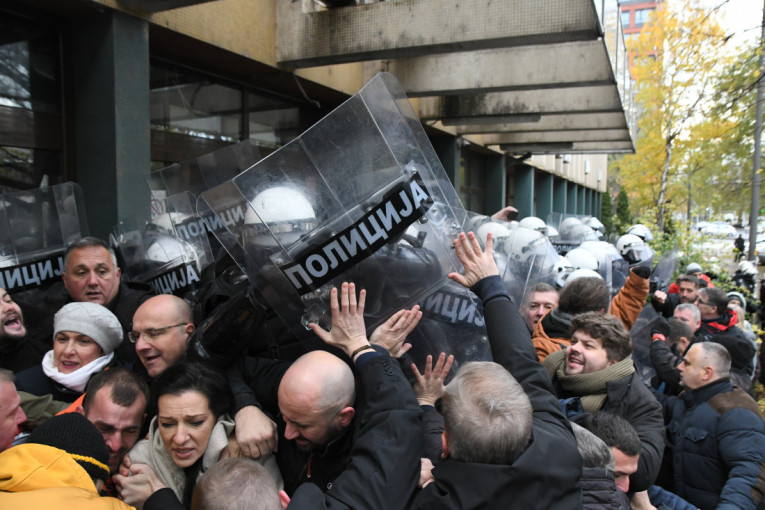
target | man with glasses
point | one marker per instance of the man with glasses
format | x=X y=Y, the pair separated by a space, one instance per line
x=718 y=324
x=162 y=328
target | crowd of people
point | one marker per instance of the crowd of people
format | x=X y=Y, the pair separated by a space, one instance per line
x=102 y=402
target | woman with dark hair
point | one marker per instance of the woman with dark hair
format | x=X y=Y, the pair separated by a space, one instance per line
x=186 y=437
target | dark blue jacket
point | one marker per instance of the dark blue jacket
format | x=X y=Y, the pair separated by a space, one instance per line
x=717 y=439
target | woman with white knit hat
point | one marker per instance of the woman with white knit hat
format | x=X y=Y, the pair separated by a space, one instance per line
x=85 y=336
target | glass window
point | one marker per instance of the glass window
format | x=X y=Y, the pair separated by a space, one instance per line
x=641 y=16
x=625 y=18
x=31 y=125
x=193 y=113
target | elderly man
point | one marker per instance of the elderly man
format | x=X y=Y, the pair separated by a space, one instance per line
x=544 y=298
x=90 y=274
x=690 y=314
x=11 y=414
x=493 y=410
x=716 y=435
x=596 y=373
x=17 y=349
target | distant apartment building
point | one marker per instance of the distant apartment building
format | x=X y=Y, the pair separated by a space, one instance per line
x=635 y=14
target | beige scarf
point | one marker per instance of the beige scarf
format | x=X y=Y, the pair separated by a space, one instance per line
x=590 y=388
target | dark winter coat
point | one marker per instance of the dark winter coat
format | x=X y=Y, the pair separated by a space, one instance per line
x=716 y=437
x=546 y=475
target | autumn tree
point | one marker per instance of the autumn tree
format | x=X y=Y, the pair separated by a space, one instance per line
x=674 y=72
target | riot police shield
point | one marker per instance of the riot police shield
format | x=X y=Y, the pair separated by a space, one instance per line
x=640 y=333
x=452 y=322
x=523 y=256
x=170 y=252
x=37 y=226
x=664 y=272
x=358 y=197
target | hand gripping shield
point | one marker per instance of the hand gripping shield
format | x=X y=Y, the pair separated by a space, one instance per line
x=360 y=196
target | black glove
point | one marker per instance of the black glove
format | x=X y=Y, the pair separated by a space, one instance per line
x=661 y=327
x=642 y=272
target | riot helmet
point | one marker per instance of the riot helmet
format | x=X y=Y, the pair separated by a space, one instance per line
x=582 y=259
x=534 y=223
x=582 y=273
x=641 y=231
x=561 y=271
x=634 y=250
x=281 y=214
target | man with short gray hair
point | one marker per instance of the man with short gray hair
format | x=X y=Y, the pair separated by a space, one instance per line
x=90 y=274
x=716 y=435
x=489 y=470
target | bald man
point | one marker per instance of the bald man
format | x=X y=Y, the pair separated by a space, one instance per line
x=316 y=402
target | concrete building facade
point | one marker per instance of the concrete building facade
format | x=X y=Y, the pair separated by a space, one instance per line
x=521 y=99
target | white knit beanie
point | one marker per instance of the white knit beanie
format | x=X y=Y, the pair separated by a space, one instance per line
x=92 y=320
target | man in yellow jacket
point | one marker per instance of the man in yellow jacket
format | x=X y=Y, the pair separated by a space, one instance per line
x=63 y=466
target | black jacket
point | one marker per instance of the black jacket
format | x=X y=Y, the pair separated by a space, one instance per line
x=18 y=354
x=665 y=361
x=382 y=467
x=629 y=398
x=716 y=438
x=546 y=475
x=667 y=308
x=599 y=491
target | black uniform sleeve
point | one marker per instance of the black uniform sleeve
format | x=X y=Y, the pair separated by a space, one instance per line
x=511 y=346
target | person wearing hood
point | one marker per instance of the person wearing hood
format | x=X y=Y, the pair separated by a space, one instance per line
x=84 y=340
x=63 y=465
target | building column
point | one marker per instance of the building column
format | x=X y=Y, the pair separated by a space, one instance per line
x=110 y=84
x=580 y=200
x=495 y=188
x=559 y=196
x=524 y=190
x=571 y=197
x=544 y=195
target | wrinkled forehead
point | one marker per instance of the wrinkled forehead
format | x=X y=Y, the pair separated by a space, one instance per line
x=90 y=256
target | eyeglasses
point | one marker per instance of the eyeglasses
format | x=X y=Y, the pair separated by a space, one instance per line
x=699 y=301
x=151 y=333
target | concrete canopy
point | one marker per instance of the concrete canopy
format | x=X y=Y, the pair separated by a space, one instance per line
x=541 y=74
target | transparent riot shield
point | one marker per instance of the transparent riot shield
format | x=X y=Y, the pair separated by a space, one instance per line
x=452 y=322
x=663 y=275
x=358 y=197
x=201 y=174
x=170 y=252
x=611 y=266
x=524 y=256
x=36 y=227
